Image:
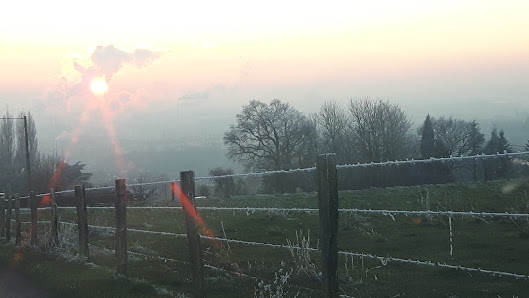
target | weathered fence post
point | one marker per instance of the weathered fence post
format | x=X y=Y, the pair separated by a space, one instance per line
x=187 y=182
x=33 y=228
x=328 y=214
x=2 y=216
x=82 y=221
x=8 y=217
x=17 y=219
x=54 y=219
x=172 y=186
x=121 y=226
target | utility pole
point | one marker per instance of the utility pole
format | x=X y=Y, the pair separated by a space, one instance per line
x=28 y=169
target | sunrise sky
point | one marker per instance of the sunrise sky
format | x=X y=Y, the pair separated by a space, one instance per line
x=217 y=55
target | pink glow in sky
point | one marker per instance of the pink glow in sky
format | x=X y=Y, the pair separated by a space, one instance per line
x=226 y=53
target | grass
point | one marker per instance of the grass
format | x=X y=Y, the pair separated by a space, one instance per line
x=494 y=244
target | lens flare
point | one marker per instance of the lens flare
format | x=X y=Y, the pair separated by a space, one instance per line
x=98 y=86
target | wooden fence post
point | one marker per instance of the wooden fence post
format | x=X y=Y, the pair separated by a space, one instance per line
x=172 y=186
x=17 y=219
x=33 y=227
x=8 y=217
x=54 y=219
x=187 y=182
x=121 y=226
x=2 y=216
x=328 y=214
x=82 y=221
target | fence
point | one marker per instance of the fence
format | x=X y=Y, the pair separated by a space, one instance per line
x=326 y=172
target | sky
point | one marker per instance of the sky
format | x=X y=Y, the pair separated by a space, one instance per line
x=200 y=61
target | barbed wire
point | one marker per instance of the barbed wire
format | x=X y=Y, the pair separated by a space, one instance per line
x=432 y=159
x=152 y=183
x=257 y=209
x=344 y=166
x=158 y=233
x=471 y=214
x=90 y=226
x=441 y=213
x=373 y=211
x=255 y=243
x=266 y=173
x=384 y=261
x=157 y=258
x=239 y=274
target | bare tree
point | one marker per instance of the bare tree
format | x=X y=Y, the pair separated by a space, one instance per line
x=335 y=132
x=9 y=174
x=224 y=186
x=141 y=188
x=381 y=129
x=7 y=139
x=459 y=136
x=269 y=137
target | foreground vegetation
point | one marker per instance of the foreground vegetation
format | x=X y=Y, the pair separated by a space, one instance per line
x=496 y=244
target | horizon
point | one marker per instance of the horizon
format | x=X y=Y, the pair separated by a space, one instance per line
x=199 y=64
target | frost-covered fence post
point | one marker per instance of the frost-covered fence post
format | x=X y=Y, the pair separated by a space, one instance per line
x=33 y=227
x=328 y=214
x=17 y=219
x=2 y=216
x=8 y=217
x=54 y=218
x=82 y=220
x=121 y=226
x=187 y=199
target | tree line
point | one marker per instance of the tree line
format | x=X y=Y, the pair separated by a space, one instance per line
x=276 y=136
x=47 y=170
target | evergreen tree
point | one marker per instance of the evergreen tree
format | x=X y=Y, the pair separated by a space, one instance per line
x=497 y=168
x=427 y=139
x=503 y=144
x=497 y=143
x=492 y=145
x=476 y=139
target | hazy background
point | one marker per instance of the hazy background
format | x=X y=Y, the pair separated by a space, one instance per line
x=179 y=73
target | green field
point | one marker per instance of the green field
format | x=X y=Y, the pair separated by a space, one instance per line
x=500 y=244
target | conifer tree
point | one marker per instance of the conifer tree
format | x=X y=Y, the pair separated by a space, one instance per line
x=427 y=139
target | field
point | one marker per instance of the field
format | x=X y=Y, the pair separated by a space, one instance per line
x=240 y=270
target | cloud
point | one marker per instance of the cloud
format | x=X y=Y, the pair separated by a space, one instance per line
x=108 y=60
x=73 y=87
x=192 y=96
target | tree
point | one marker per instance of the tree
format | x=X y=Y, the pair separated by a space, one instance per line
x=427 y=138
x=460 y=137
x=477 y=139
x=497 y=143
x=141 y=188
x=527 y=146
x=334 y=130
x=269 y=137
x=9 y=174
x=224 y=186
x=48 y=171
x=381 y=130
x=497 y=168
x=7 y=139
x=52 y=172
x=32 y=138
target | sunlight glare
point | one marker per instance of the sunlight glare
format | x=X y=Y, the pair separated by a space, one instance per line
x=98 y=86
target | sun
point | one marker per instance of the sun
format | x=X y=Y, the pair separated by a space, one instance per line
x=98 y=86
